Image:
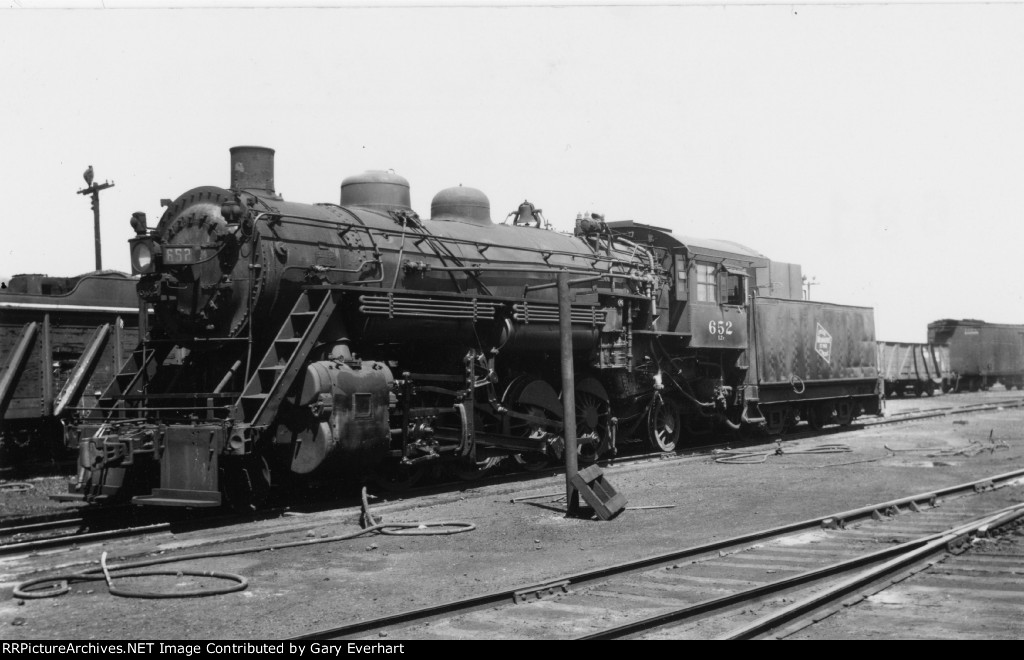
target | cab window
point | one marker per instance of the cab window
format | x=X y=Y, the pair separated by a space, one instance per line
x=707 y=287
x=735 y=289
x=682 y=286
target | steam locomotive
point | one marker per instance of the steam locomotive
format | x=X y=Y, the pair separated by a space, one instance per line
x=340 y=340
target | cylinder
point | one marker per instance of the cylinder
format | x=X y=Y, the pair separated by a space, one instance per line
x=252 y=168
x=345 y=426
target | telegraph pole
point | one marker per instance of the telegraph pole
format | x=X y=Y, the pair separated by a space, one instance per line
x=94 y=190
x=808 y=283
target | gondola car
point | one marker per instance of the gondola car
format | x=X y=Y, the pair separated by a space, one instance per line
x=912 y=367
x=62 y=339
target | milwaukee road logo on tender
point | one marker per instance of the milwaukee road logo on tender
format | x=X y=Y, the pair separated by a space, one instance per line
x=823 y=344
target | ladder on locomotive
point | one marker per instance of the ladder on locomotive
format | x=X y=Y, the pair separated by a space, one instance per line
x=265 y=389
x=271 y=380
x=131 y=381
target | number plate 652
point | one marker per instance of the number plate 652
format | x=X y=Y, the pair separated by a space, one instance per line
x=720 y=328
x=181 y=255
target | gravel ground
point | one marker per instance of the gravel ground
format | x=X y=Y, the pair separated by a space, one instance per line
x=16 y=500
x=298 y=590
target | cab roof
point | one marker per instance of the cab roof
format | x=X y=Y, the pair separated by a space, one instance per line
x=663 y=237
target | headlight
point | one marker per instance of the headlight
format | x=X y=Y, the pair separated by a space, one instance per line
x=143 y=255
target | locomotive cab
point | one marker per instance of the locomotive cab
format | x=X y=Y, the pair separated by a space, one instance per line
x=700 y=338
x=715 y=311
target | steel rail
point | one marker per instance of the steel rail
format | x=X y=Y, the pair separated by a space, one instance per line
x=898 y=556
x=28 y=528
x=208 y=521
x=77 y=539
x=909 y=416
x=579 y=579
x=13 y=524
x=935 y=543
x=966 y=406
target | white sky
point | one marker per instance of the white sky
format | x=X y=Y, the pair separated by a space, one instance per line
x=879 y=146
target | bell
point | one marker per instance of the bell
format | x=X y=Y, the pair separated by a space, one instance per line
x=527 y=215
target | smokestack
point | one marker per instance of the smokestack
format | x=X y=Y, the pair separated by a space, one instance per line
x=252 y=168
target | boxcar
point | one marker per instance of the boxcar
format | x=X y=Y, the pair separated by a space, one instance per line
x=981 y=354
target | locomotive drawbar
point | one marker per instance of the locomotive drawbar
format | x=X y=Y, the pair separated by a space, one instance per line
x=338 y=340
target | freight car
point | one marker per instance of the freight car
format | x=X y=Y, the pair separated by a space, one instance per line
x=912 y=367
x=336 y=340
x=981 y=354
x=61 y=341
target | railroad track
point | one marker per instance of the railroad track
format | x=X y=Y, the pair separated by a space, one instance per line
x=17 y=524
x=26 y=533
x=941 y=411
x=104 y=524
x=973 y=595
x=30 y=533
x=742 y=587
x=68 y=535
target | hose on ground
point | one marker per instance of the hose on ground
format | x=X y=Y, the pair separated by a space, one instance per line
x=57 y=585
x=16 y=487
x=971 y=449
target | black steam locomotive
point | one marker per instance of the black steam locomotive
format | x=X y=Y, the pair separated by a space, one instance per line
x=347 y=339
